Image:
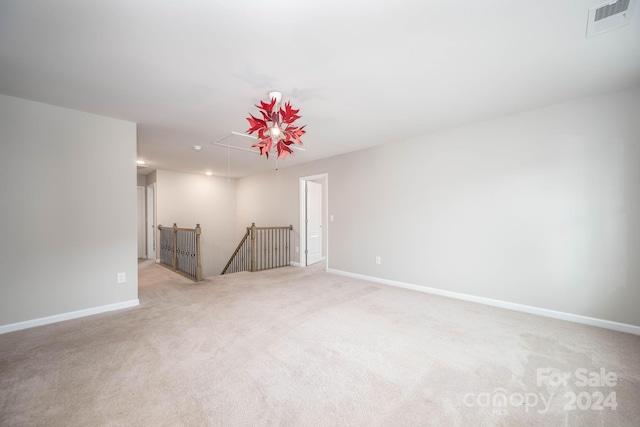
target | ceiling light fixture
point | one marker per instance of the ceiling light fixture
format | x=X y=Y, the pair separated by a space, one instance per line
x=140 y=162
x=197 y=147
x=276 y=126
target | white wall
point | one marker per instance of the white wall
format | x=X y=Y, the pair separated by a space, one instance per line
x=68 y=223
x=540 y=208
x=271 y=200
x=189 y=199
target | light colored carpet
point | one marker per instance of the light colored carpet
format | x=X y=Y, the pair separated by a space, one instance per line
x=301 y=347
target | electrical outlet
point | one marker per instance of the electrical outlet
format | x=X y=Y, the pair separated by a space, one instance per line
x=331 y=218
x=378 y=260
x=297 y=249
x=122 y=277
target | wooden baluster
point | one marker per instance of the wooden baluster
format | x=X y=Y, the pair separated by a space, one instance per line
x=253 y=246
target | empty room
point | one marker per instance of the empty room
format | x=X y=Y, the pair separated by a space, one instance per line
x=383 y=213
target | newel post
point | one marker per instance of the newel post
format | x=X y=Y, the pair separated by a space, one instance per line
x=175 y=246
x=198 y=257
x=253 y=247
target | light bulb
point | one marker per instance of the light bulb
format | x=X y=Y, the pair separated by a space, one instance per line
x=275 y=131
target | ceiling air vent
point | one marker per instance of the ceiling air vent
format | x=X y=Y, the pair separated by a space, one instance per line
x=612 y=9
x=608 y=16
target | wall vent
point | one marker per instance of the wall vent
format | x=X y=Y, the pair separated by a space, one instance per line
x=612 y=9
x=608 y=16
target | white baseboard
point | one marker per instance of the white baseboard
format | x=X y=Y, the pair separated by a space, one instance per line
x=67 y=316
x=576 y=318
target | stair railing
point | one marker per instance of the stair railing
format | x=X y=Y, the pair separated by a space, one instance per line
x=261 y=248
x=241 y=258
x=180 y=250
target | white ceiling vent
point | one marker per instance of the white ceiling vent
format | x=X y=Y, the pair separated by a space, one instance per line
x=608 y=16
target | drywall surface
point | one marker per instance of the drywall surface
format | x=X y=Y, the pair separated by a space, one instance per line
x=540 y=208
x=190 y=199
x=68 y=223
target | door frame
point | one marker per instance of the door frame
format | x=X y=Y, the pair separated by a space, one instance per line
x=324 y=178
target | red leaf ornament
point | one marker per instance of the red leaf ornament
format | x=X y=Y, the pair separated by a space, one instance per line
x=276 y=128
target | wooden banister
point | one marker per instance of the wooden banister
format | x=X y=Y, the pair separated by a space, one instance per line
x=261 y=248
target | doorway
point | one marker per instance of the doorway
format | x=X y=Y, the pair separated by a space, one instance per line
x=151 y=220
x=313 y=219
x=141 y=231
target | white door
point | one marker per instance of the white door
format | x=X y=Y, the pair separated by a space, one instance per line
x=314 y=222
x=151 y=227
x=141 y=230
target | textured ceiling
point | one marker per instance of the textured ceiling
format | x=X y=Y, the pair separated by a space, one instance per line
x=362 y=73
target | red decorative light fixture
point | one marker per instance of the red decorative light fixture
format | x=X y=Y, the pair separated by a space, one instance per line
x=276 y=127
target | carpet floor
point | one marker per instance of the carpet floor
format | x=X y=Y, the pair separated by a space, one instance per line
x=302 y=347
